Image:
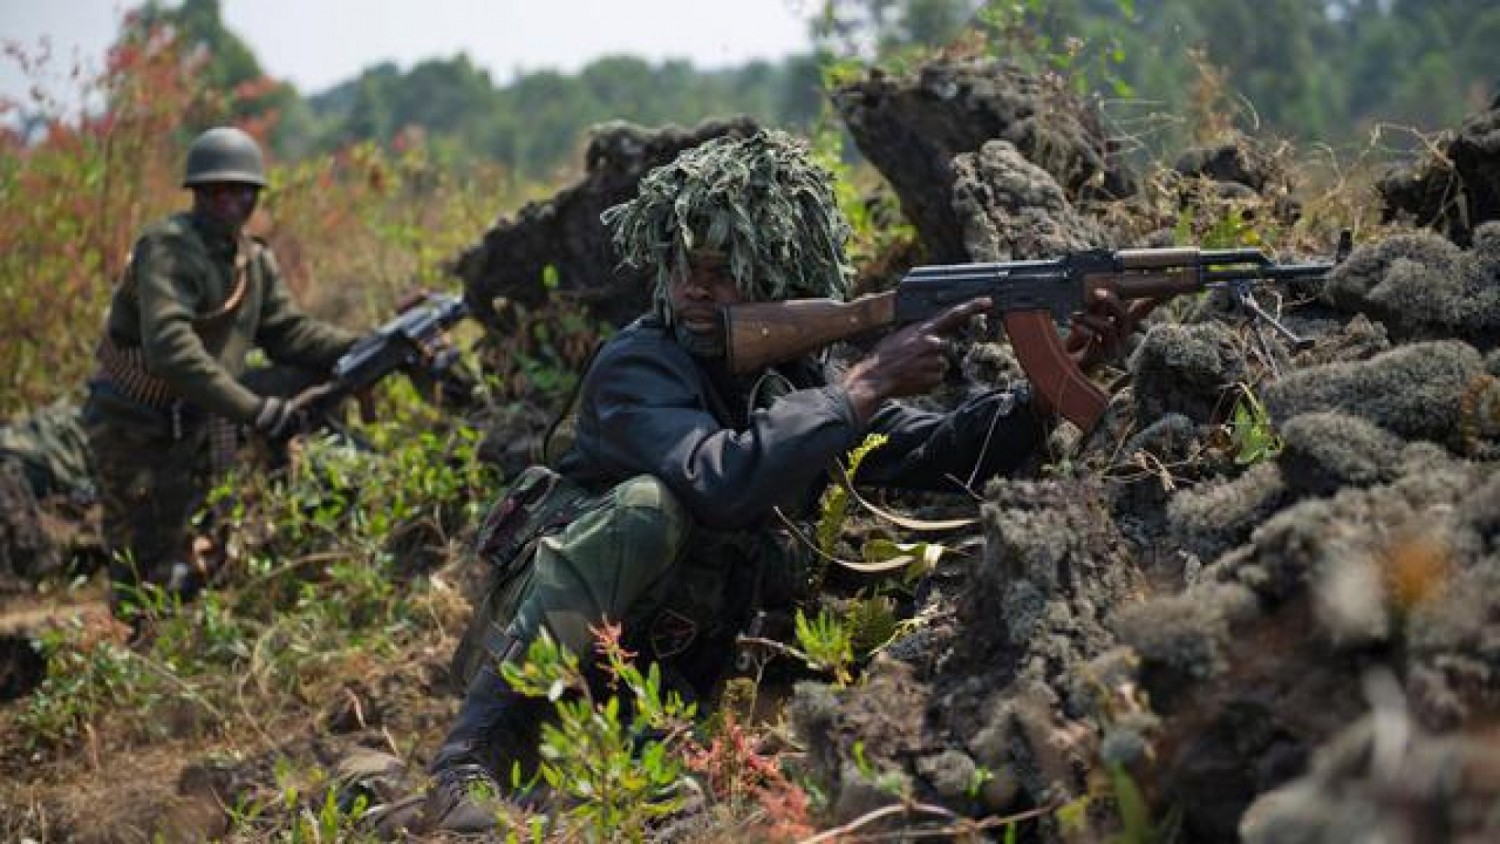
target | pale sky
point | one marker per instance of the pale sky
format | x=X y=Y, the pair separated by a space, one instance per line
x=315 y=44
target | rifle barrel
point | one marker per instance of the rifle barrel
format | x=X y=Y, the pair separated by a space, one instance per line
x=1272 y=272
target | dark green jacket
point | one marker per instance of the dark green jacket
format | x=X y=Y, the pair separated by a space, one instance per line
x=646 y=406
x=171 y=303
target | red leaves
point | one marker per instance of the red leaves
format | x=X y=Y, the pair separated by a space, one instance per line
x=734 y=771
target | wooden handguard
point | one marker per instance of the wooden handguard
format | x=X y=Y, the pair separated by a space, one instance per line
x=764 y=333
x=1061 y=388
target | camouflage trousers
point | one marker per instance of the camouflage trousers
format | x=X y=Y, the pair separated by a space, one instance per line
x=50 y=447
x=154 y=468
x=151 y=476
x=634 y=556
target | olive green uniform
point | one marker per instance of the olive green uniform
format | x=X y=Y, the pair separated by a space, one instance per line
x=194 y=300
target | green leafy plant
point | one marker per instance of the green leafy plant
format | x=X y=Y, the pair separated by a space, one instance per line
x=1073 y=816
x=833 y=507
x=308 y=584
x=891 y=782
x=615 y=757
x=310 y=811
x=88 y=675
x=833 y=515
x=1251 y=431
x=204 y=636
x=1217 y=225
x=977 y=781
x=872 y=622
x=1135 y=815
x=826 y=644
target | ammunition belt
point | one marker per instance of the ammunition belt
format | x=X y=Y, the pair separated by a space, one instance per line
x=125 y=370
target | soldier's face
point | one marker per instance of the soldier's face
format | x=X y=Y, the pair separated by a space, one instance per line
x=707 y=287
x=231 y=203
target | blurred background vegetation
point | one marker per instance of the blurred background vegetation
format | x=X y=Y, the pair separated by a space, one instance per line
x=1312 y=70
x=378 y=180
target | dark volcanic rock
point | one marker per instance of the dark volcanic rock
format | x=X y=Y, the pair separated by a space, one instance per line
x=1327 y=451
x=1186 y=369
x=912 y=126
x=1011 y=209
x=1420 y=286
x=517 y=258
x=1456 y=190
x=1239 y=160
x=1437 y=391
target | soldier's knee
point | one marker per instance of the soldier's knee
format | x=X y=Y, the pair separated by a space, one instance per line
x=650 y=499
x=655 y=520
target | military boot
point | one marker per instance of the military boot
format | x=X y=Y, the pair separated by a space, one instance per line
x=496 y=730
x=463 y=798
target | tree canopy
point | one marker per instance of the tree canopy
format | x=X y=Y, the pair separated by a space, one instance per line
x=1324 y=71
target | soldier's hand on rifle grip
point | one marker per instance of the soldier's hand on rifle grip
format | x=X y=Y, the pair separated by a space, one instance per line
x=907 y=362
x=1100 y=332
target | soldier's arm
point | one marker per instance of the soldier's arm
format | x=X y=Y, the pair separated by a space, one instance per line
x=990 y=434
x=651 y=420
x=289 y=335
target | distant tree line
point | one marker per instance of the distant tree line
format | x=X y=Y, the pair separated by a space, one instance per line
x=1315 y=70
x=1323 y=70
x=534 y=123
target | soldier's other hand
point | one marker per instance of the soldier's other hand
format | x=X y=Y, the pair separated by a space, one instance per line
x=276 y=418
x=1100 y=332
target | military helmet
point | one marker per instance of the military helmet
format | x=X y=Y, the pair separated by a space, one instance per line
x=225 y=154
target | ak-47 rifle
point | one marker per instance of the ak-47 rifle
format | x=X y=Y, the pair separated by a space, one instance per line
x=412 y=342
x=1030 y=296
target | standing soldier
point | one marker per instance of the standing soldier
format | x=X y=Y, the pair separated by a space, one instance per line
x=197 y=294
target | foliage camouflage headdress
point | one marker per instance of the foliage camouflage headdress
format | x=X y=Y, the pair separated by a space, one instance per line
x=761 y=200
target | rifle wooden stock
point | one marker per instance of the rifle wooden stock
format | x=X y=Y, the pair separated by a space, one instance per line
x=763 y=333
